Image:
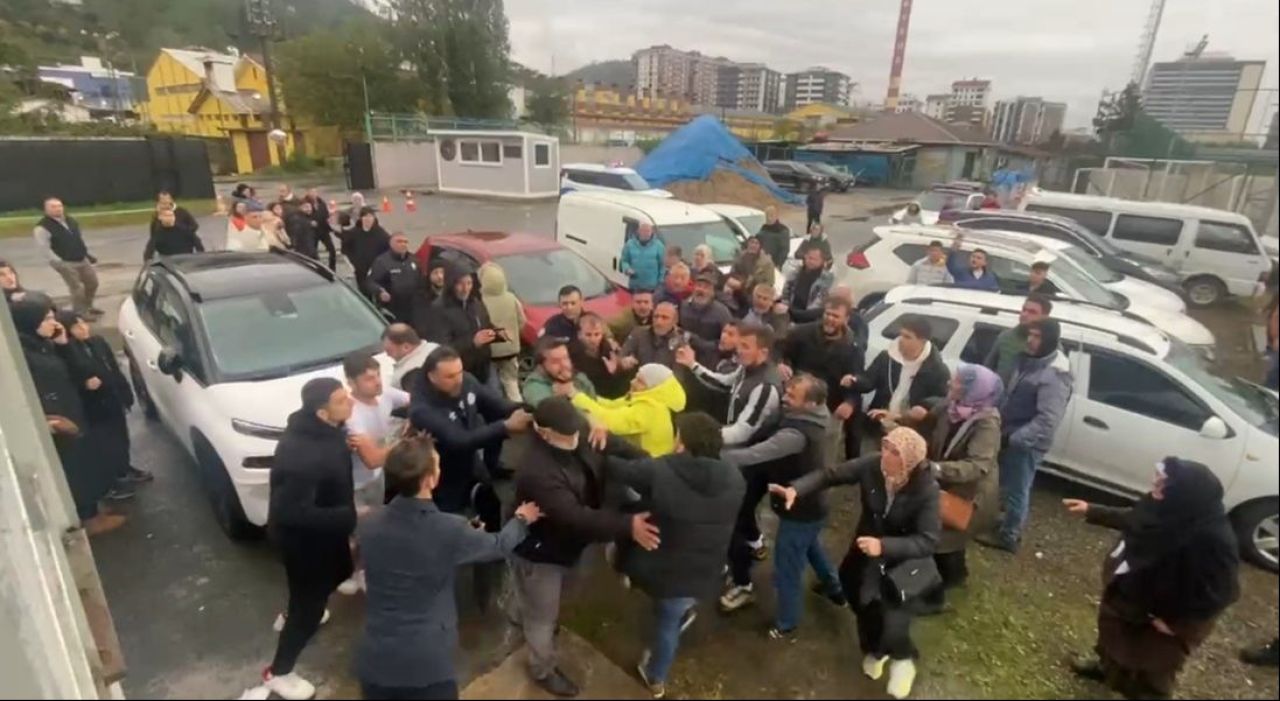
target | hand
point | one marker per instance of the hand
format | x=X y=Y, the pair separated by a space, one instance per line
x=528 y=512
x=59 y=334
x=362 y=511
x=1076 y=506
x=959 y=239
x=628 y=362
x=359 y=441
x=844 y=411
x=784 y=371
x=879 y=415
x=611 y=363
x=484 y=337
x=645 y=534
x=62 y=426
x=871 y=547
x=518 y=421
x=847 y=381
x=779 y=308
x=564 y=389
x=918 y=413
x=93 y=383
x=599 y=436
x=685 y=356
x=787 y=494
x=384 y=296
x=1162 y=626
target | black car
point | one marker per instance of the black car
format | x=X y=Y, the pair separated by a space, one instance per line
x=840 y=181
x=795 y=176
x=1070 y=231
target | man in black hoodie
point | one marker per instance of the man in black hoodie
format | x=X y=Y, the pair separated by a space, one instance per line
x=170 y=236
x=320 y=215
x=462 y=321
x=302 y=229
x=311 y=517
x=395 y=281
x=694 y=498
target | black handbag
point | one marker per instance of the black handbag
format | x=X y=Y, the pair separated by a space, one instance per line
x=905 y=580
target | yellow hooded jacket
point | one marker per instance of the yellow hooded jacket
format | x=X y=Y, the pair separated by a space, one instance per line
x=641 y=417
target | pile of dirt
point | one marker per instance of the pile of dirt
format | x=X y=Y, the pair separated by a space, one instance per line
x=725 y=187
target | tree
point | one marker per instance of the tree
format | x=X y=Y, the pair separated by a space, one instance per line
x=461 y=52
x=548 y=102
x=323 y=76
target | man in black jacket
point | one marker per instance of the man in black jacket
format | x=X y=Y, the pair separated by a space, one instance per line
x=565 y=324
x=703 y=316
x=301 y=227
x=463 y=323
x=59 y=237
x=164 y=200
x=562 y=475
x=905 y=378
x=394 y=280
x=775 y=237
x=320 y=215
x=827 y=349
x=694 y=498
x=171 y=237
x=311 y=517
x=797 y=448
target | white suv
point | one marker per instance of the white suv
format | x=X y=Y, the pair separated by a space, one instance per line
x=884 y=261
x=1139 y=396
x=219 y=347
x=591 y=177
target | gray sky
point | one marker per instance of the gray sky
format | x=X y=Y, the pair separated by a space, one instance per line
x=1067 y=50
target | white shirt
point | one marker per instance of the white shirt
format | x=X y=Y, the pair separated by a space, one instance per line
x=376 y=422
x=413 y=361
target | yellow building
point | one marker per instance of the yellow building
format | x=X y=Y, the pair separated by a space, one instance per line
x=598 y=112
x=820 y=115
x=216 y=95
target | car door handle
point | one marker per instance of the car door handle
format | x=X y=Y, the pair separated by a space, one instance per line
x=1097 y=423
x=571 y=237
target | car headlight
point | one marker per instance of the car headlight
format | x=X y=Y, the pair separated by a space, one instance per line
x=249 y=428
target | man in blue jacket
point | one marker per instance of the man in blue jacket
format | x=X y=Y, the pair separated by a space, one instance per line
x=1033 y=408
x=643 y=259
x=971 y=274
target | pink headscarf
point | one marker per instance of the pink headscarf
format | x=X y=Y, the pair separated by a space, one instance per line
x=981 y=390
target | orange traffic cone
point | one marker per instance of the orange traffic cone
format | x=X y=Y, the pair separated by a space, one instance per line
x=386 y=204
x=409 y=204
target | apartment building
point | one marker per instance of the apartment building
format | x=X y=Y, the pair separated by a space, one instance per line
x=1204 y=96
x=817 y=84
x=1026 y=120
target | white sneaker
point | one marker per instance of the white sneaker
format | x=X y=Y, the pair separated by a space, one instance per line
x=278 y=625
x=289 y=687
x=873 y=666
x=350 y=586
x=736 y=598
x=902 y=674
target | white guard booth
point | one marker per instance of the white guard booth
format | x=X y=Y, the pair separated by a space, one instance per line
x=512 y=164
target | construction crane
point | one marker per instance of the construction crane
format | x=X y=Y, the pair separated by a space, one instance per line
x=1147 y=43
x=899 y=55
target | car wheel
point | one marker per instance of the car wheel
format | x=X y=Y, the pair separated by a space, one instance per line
x=1258 y=530
x=140 y=391
x=222 y=494
x=1205 y=291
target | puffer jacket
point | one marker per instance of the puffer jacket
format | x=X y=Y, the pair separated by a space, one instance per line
x=504 y=309
x=642 y=417
x=647 y=260
x=1036 y=401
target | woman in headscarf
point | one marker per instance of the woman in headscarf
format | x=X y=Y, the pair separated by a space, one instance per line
x=1167 y=581
x=890 y=562
x=40 y=334
x=363 y=243
x=964 y=440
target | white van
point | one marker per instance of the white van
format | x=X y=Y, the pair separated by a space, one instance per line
x=1215 y=252
x=596 y=224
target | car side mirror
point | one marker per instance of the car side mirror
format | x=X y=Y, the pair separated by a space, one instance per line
x=1215 y=428
x=170 y=363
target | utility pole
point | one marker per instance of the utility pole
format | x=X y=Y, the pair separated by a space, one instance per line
x=261 y=23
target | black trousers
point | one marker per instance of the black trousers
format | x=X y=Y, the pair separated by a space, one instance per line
x=308 y=596
x=109 y=434
x=883 y=630
x=813 y=218
x=440 y=690
x=757 y=488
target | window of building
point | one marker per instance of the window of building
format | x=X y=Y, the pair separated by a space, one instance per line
x=469 y=151
x=542 y=155
x=513 y=151
x=477 y=152
x=1153 y=230
x=1224 y=237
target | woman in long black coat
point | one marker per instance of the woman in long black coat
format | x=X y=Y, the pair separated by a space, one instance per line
x=362 y=243
x=1173 y=573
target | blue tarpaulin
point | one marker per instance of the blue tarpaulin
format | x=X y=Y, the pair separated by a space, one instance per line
x=696 y=150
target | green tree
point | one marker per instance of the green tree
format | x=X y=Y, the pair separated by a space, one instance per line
x=460 y=50
x=548 y=102
x=323 y=75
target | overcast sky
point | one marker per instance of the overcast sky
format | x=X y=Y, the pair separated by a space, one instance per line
x=1066 y=50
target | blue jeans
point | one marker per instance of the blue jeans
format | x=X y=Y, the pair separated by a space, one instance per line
x=797 y=544
x=1017 y=472
x=667 y=614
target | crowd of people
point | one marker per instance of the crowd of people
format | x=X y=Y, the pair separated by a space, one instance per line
x=655 y=434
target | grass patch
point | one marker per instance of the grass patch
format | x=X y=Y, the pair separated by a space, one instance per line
x=20 y=223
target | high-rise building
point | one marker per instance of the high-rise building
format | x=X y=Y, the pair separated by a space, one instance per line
x=935 y=106
x=758 y=87
x=969 y=102
x=661 y=70
x=1203 y=96
x=704 y=77
x=817 y=84
x=907 y=103
x=1026 y=120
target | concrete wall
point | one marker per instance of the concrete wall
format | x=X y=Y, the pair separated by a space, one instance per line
x=506 y=178
x=590 y=153
x=404 y=164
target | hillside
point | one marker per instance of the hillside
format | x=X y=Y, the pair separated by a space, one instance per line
x=620 y=73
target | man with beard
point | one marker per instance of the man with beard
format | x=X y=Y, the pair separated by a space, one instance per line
x=555 y=367
x=463 y=323
x=827 y=350
x=639 y=316
x=765 y=311
x=409 y=352
x=656 y=343
x=754 y=266
x=394 y=281
x=806 y=290
x=1003 y=357
x=300 y=227
x=598 y=356
x=703 y=316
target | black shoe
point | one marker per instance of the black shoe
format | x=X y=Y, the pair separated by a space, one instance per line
x=834 y=596
x=557 y=684
x=993 y=540
x=136 y=476
x=1088 y=668
x=119 y=493
x=1262 y=656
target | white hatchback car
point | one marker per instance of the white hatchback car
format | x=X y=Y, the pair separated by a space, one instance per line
x=592 y=177
x=1139 y=396
x=219 y=346
x=884 y=260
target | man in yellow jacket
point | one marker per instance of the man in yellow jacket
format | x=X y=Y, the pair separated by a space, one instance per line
x=644 y=415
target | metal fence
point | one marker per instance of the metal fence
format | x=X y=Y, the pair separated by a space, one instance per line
x=385 y=126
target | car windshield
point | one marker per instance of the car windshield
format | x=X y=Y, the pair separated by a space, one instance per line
x=1086 y=286
x=536 y=278
x=1091 y=265
x=936 y=200
x=285 y=332
x=634 y=181
x=716 y=234
x=1252 y=402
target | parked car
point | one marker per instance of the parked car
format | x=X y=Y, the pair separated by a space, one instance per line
x=882 y=263
x=1070 y=231
x=839 y=180
x=591 y=176
x=794 y=175
x=536 y=268
x=1139 y=396
x=219 y=346
x=1215 y=252
x=942 y=198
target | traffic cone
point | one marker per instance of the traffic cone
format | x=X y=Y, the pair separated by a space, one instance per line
x=409 y=204
x=386 y=204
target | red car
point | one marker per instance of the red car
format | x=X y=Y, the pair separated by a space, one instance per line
x=536 y=267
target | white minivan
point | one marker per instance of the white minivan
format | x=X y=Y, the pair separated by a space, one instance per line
x=1216 y=253
x=596 y=225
